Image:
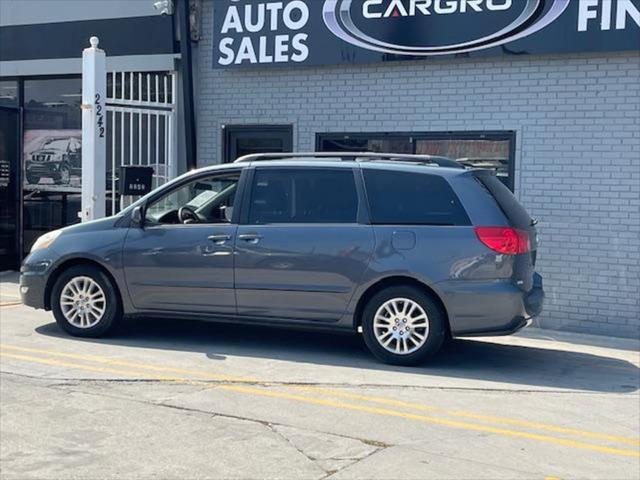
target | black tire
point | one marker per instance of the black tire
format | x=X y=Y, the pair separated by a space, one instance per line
x=112 y=310
x=436 y=320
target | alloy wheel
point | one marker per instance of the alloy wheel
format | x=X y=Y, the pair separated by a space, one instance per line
x=83 y=302
x=401 y=326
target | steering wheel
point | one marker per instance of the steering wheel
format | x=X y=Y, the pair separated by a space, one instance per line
x=187 y=214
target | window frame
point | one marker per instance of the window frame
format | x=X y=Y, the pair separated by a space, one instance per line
x=362 y=213
x=414 y=137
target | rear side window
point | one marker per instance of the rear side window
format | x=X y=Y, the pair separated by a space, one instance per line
x=309 y=195
x=403 y=198
x=508 y=203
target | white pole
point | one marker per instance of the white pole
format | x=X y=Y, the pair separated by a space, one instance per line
x=94 y=132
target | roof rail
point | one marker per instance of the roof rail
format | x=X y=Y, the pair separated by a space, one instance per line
x=355 y=156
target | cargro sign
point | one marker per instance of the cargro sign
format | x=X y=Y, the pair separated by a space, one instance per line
x=316 y=32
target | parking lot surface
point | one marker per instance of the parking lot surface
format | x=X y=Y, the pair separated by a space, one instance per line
x=178 y=399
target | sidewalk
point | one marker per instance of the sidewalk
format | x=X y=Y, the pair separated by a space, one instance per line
x=9 y=287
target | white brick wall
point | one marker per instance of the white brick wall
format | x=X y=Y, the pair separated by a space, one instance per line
x=577 y=120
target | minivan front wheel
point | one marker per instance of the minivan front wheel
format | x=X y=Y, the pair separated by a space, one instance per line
x=403 y=325
x=84 y=302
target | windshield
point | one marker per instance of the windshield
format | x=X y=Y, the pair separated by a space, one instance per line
x=56 y=144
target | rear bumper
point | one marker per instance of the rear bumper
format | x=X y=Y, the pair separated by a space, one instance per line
x=516 y=324
x=490 y=307
x=534 y=300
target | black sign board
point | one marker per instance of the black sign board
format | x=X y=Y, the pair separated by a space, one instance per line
x=316 y=32
x=135 y=180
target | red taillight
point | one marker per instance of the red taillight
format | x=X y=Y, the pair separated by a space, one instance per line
x=506 y=240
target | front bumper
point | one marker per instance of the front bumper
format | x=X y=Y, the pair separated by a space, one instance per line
x=32 y=290
x=43 y=168
x=34 y=275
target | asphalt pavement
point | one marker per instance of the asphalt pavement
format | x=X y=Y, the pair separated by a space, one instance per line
x=175 y=399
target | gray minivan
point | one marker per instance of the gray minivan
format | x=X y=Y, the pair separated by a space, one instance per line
x=409 y=250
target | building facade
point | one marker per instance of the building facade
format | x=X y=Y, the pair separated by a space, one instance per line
x=563 y=127
x=41 y=43
x=545 y=92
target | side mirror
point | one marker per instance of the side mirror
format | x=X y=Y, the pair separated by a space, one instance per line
x=136 y=217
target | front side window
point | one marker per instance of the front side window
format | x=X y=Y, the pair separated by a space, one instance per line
x=303 y=196
x=205 y=200
x=408 y=198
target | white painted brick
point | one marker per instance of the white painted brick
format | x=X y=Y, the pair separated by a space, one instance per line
x=577 y=120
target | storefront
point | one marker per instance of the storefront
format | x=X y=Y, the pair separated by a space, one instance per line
x=547 y=93
x=9 y=190
x=41 y=44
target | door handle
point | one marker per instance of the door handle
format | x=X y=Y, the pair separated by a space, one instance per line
x=250 y=237
x=219 y=238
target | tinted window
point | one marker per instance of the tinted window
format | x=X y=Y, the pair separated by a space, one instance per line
x=303 y=196
x=517 y=215
x=410 y=198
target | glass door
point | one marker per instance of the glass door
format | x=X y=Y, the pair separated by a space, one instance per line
x=9 y=191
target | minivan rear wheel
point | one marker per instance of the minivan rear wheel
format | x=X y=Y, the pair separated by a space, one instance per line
x=84 y=302
x=403 y=325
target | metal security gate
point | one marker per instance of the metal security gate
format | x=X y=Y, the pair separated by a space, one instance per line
x=141 y=127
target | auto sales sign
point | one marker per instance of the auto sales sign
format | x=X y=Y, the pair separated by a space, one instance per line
x=315 y=32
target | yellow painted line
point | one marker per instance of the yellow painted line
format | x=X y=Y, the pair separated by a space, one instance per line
x=9 y=304
x=475 y=416
x=354 y=407
x=8 y=295
x=61 y=363
x=121 y=363
x=336 y=393
x=438 y=421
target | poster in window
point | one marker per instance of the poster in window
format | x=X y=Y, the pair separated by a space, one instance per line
x=53 y=160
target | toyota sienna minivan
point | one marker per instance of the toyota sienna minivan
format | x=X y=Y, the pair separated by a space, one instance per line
x=409 y=250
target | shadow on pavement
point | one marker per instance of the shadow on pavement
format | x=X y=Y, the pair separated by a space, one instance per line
x=467 y=359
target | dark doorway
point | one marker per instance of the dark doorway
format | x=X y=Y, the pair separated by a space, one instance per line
x=240 y=140
x=9 y=189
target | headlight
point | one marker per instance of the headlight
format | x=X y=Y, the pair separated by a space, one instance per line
x=45 y=240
